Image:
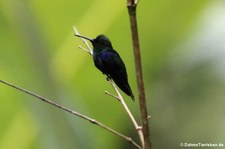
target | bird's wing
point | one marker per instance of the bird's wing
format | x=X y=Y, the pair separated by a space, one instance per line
x=116 y=69
x=113 y=64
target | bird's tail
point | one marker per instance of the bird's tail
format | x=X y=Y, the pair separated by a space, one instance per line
x=132 y=96
x=124 y=86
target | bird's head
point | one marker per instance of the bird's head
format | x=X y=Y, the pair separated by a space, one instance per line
x=99 y=43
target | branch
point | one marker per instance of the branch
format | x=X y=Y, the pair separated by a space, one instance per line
x=114 y=96
x=82 y=48
x=132 y=5
x=120 y=98
x=93 y=121
x=90 y=51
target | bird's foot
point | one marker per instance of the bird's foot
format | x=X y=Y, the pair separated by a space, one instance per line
x=108 y=78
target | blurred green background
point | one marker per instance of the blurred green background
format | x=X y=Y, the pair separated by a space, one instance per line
x=183 y=55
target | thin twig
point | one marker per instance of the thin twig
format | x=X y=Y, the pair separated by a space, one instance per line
x=86 y=50
x=85 y=42
x=114 y=96
x=120 y=97
x=132 y=5
x=93 y=121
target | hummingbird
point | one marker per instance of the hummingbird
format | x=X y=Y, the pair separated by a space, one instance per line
x=109 y=62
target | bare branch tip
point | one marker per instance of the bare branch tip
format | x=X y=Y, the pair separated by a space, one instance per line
x=82 y=48
x=136 y=2
x=132 y=2
x=114 y=96
x=75 y=30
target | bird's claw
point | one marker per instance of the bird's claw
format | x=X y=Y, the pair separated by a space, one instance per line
x=108 y=78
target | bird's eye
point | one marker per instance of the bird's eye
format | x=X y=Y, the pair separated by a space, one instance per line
x=101 y=41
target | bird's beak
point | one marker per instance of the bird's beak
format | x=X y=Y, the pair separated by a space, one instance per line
x=84 y=37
